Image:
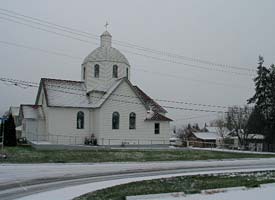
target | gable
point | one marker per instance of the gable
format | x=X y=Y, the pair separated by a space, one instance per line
x=124 y=93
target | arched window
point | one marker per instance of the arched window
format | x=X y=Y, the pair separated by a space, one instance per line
x=80 y=120
x=115 y=68
x=96 y=71
x=127 y=73
x=115 y=120
x=132 y=120
x=84 y=73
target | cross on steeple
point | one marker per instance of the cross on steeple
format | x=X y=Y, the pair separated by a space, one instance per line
x=106 y=25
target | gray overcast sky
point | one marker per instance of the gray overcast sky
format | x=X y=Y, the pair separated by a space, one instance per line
x=231 y=32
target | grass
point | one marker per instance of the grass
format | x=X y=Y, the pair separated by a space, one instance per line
x=186 y=184
x=31 y=155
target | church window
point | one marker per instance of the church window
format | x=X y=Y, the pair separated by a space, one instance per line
x=157 y=128
x=115 y=120
x=127 y=73
x=115 y=68
x=84 y=72
x=96 y=71
x=132 y=120
x=80 y=120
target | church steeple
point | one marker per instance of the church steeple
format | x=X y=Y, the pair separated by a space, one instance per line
x=106 y=39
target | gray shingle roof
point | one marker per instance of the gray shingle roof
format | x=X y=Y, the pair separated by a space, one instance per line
x=106 y=54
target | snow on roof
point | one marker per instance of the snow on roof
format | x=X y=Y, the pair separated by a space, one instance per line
x=207 y=135
x=32 y=112
x=157 y=117
x=255 y=136
x=214 y=129
x=150 y=102
x=14 y=110
x=65 y=93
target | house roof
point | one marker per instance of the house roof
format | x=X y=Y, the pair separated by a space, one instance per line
x=32 y=111
x=206 y=135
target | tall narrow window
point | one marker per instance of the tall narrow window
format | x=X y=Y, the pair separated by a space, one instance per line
x=127 y=73
x=96 y=71
x=84 y=73
x=132 y=120
x=157 y=128
x=115 y=120
x=80 y=120
x=115 y=68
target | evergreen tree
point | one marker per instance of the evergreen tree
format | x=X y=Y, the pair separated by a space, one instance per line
x=1 y=131
x=262 y=87
x=272 y=102
x=256 y=122
x=264 y=98
x=9 y=132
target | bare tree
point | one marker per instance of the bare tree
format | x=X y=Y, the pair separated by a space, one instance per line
x=237 y=120
x=220 y=123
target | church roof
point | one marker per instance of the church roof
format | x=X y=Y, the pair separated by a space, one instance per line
x=64 y=93
x=150 y=102
x=68 y=93
x=31 y=111
x=106 y=53
x=158 y=117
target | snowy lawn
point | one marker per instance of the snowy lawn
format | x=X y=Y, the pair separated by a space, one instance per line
x=187 y=184
x=30 y=155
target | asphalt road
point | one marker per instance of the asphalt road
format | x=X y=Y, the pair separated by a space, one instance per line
x=29 y=180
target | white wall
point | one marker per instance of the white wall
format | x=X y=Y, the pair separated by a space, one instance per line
x=62 y=127
x=144 y=131
x=105 y=79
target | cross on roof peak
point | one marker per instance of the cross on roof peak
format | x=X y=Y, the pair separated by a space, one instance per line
x=106 y=25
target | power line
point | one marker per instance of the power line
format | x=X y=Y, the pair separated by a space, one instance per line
x=146 y=71
x=39 y=49
x=194 y=117
x=122 y=43
x=117 y=94
x=25 y=83
x=151 y=57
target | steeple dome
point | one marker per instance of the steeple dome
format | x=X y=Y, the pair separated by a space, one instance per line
x=106 y=39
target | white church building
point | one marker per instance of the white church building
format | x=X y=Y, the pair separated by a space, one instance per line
x=103 y=105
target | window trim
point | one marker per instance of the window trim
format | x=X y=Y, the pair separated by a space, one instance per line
x=127 y=73
x=84 y=73
x=80 y=120
x=115 y=71
x=157 y=129
x=115 y=126
x=132 y=116
x=96 y=70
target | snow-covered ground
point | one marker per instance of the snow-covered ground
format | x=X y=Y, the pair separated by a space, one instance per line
x=10 y=173
x=69 y=193
x=266 y=192
x=232 y=151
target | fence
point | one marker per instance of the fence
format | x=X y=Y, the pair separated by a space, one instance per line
x=81 y=140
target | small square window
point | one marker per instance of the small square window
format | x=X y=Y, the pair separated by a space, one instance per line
x=157 y=128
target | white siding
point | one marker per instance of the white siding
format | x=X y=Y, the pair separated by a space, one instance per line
x=144 y=132
x=62 y=127
x=105 y=79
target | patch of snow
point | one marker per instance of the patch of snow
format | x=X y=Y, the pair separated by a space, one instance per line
x=75 y=191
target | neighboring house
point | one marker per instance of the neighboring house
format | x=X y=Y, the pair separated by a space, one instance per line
x=255 y=142
x=203 y=139
x=104 y=104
